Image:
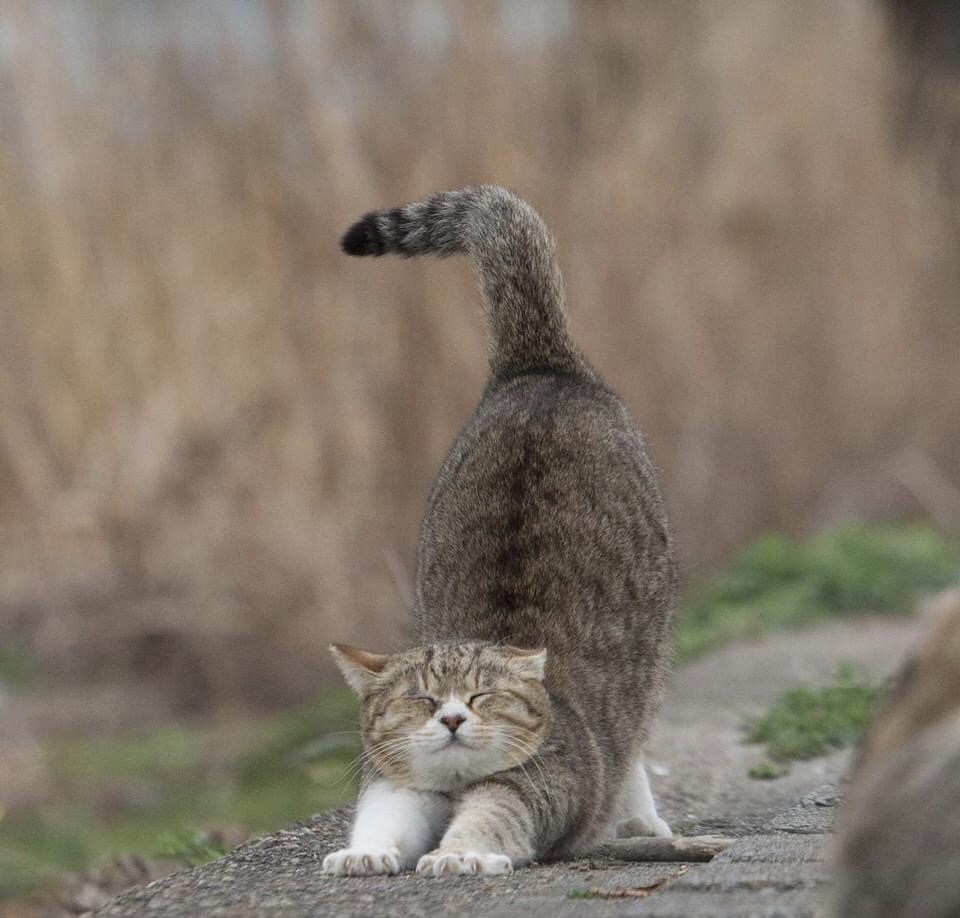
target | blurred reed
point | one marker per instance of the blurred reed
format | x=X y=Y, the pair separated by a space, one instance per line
x=216 y=433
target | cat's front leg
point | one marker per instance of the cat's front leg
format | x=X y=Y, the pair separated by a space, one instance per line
x=492 y=832
x=393 y=827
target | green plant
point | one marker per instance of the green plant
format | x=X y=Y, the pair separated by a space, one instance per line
x=768 y=771
x=165 y=785
x=809 y=721
x=782 y=583
x=193 y=848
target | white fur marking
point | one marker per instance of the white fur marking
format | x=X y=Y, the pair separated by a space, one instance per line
x=393 y=827
x=640 y=816
x=361 y=862
x=437 y=764
x=453 y=707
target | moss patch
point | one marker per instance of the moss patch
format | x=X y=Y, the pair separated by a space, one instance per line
x=809 y=721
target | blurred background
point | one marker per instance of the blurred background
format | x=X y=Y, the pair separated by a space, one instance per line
x=217 y=433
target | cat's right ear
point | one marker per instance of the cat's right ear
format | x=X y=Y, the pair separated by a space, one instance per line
x=528 y=664
x=359 y=668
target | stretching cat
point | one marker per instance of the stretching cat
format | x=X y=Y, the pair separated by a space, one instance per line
x=545 y=579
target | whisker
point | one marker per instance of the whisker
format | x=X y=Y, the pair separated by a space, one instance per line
x=516 y=744
x=389 y=753
x=367 y=755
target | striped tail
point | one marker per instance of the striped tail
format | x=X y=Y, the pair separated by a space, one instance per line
x=515 y=257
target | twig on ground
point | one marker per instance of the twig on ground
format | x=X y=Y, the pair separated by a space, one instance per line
x=696 y=848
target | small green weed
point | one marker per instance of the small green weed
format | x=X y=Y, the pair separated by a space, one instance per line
x=768 y=771
x=193 y=848
x=813 y=720
x=582 y=894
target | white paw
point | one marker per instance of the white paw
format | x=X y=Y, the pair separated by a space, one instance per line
x=450 y=863
x=361 y=862
x=644 y=826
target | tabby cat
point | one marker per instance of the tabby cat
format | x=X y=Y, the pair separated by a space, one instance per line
x=514 y=730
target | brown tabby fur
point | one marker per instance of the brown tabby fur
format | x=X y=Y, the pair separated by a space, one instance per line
x=545 y=528
x=898 y=845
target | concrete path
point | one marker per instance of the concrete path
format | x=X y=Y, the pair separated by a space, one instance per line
x=699 y=769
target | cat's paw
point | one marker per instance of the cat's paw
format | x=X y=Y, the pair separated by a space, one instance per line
x=644 y=827
x=451 y=863
x=361 y=862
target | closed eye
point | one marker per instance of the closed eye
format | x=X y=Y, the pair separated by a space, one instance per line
x=427 y=699
x=473 y=698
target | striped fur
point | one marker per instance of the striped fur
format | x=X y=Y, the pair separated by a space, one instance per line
x=545 y=529
x=515 y=257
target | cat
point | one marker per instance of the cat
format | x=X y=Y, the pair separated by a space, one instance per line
x=545 y=581
x=897 y=850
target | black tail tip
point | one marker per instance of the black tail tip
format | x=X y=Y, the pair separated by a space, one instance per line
x=363 y=238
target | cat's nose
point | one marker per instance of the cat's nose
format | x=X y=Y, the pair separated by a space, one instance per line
x=452 y=721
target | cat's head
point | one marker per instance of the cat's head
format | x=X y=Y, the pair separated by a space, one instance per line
x=442 y=716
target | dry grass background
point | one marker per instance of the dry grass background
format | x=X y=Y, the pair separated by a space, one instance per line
x=216 y=433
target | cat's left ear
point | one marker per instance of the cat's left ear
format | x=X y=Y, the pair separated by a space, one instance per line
x=359 y=668
x=528 y=664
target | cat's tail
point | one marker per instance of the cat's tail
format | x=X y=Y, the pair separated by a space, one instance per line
x=516 y=260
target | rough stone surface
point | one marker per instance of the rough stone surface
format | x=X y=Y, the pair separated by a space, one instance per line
x=727 y=905
x=754 y=875
x=699 y=764
x=812 y=816
x=774 y=849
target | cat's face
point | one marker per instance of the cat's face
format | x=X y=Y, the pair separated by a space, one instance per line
x=443 y=716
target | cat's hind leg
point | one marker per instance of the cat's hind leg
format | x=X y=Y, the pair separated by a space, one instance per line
x=393 y=827
x=638 y=811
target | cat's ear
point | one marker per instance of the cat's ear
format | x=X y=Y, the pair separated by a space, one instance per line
x=528 y=664
x=359 y=668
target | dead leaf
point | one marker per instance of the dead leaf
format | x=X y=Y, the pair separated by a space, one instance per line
x=635 y=892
